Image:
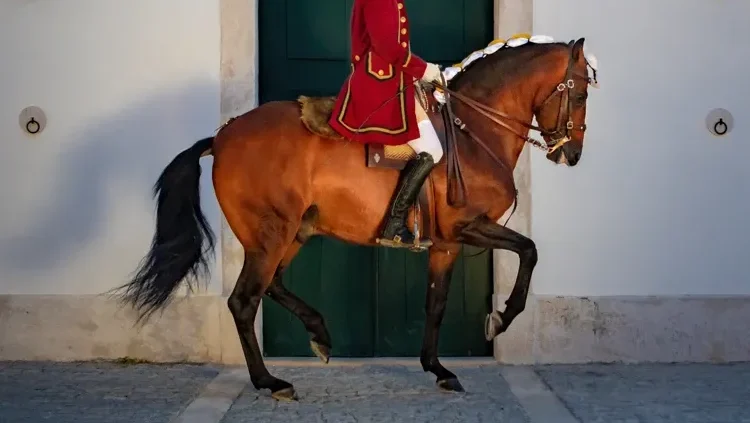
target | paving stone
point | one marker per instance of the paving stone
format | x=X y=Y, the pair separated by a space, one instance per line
x=32 y=392
x=372 y=393
x=653 y=393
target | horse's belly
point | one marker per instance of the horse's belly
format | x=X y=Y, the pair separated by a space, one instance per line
x=352 y=201
x=350 y=214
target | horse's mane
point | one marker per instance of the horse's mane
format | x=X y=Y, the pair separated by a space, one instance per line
x=502 y=66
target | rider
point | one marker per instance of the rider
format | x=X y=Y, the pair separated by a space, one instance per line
x=379 y=96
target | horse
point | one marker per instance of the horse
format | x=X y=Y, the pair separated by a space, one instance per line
x=280 y=179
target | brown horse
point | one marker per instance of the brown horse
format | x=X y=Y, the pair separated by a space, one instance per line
x=278 y=183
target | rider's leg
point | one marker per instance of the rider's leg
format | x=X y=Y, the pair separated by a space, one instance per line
x=429 y=152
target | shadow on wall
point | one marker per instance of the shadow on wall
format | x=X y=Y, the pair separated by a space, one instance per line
x=112 y=162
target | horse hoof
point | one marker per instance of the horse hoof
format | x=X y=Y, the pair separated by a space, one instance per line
x=450 y=385
x=322 y=351
x=493 y=325
x=286 y=395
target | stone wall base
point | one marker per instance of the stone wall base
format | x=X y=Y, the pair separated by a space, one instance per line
x=91 y=327
x=550 y=330
x=627 y=329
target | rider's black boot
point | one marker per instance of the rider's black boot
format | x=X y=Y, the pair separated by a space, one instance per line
x=396 y=234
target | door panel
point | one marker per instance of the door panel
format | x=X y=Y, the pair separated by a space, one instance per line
x=372 y=299
x=315 y=29
x=402 y=290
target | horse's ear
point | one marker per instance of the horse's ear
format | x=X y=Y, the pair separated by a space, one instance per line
x=578 y=48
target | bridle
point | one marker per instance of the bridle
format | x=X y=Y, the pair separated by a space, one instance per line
x=559 y=136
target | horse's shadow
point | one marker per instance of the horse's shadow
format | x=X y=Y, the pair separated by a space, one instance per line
x=90 y=193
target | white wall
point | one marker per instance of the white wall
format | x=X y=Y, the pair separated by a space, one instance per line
x=125 y=85
x=657 y=205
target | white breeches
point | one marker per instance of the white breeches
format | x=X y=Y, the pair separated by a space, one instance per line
x=428 y=141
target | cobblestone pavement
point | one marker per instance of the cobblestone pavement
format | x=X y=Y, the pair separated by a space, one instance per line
x=381 y=394
x=658 y=393
x=33 y=392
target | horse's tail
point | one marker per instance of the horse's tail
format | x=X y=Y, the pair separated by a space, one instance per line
x=183 y=239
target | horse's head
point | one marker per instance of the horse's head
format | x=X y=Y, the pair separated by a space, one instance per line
x=561 y=109
x=507 y=84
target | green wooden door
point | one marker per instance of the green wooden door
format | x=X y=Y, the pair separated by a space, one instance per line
x=372 y=299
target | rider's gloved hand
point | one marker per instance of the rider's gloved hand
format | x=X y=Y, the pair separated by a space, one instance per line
x=432 y=73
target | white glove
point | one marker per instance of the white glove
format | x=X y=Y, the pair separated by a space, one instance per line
x=432 y=73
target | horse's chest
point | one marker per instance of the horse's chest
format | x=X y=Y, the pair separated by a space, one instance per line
x=495 y=200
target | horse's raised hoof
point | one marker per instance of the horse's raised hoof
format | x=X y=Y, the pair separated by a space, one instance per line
x=286 y=395
x=323 y=352
x=450 y=385
x=493 y=326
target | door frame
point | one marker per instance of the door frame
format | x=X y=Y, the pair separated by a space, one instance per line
x=239 y=69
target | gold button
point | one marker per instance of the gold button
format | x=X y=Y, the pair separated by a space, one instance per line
x=403 y=44
x=403 y=19
x=356 y=58
x=400 y=6
x=380 y=72
x=403 y=31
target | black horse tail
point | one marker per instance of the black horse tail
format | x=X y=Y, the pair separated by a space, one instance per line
x=183 y=239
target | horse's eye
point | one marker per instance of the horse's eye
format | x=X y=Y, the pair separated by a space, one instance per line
x=581 y=98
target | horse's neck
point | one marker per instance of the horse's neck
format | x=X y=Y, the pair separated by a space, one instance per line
x=504 y=144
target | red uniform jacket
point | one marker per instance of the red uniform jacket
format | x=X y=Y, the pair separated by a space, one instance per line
x=382 y=64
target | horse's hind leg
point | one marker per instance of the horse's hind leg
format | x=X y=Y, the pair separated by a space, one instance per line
x=256 y=275
x=440 y=268
x=320 y=343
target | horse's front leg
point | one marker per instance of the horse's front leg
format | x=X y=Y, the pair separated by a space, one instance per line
x=485 y=233
x=440 y=267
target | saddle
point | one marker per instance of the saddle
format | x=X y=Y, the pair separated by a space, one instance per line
x=315 y=113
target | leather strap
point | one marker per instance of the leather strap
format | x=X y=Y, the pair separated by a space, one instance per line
x=456 y=194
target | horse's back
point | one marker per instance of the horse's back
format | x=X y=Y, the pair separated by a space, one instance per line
x=263 y=136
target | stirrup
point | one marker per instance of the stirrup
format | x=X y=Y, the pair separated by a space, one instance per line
x=418 y=246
